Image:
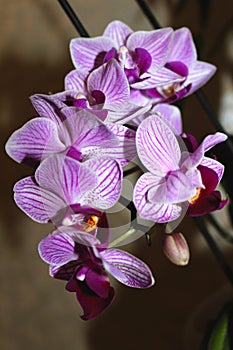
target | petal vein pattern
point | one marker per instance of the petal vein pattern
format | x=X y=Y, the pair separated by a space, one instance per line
x=157 y=146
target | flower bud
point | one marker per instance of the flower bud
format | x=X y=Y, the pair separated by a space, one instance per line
x=176 y=249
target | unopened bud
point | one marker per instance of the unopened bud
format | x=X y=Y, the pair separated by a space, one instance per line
x=176 y=249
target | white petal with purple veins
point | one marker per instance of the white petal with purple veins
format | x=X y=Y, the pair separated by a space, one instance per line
x=83 y=129
x=39 y=204
x=127 y=269
x=58 y=249
x=127 y=113
x=112 y=82
x=75 y=80
x=66 y=177
x=36 y=140
x=152 y=211
x=124 y=151
x=107 y=191
x=212 y=140
x=159 y=78
x=88 y=53
x=156 y=43
x=183 y=48
x=176 y=188
x=200 y=73
x=157 y=146
x=209 y=141
x=48 y=106
x=118 y=32
x=171 y=115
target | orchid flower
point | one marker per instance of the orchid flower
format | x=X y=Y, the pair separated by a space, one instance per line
x=183 y=61
x=173 y=177
x=106 y=88
x=70 y=193
x=74 y=132
x=142 y=54
x=76 y=258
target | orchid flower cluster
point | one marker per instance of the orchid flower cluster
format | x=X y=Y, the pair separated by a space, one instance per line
x=116 y=109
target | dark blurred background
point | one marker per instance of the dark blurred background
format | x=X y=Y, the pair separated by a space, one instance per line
x=35 y=311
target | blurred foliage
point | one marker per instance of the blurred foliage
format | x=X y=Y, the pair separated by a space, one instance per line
x=220 y=333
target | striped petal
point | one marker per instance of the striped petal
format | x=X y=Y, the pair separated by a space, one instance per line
x=75 y=80
x=36 y=140
x=183 y=48
x=118 y=32
x=157 y=146
x=89 y=53
x=127 y=269
x=66 y=177
x=123 y=151
x=158 y=78
x=110 y=80
x=48 y=106
x=57 y=249
x=106 y=193
x=176 y=188
x=157 y=43
x=38 y=203
x=151 y=211
x=171 y=115
x=127 y=113
x=83 y=129
x=198 y=76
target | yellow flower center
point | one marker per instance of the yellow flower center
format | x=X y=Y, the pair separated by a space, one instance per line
x=197 y=195
x=92 y=222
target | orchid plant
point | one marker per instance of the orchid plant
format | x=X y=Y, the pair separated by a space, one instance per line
x=116 y=110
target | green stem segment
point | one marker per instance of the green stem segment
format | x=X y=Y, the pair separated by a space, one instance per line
x=121 y=238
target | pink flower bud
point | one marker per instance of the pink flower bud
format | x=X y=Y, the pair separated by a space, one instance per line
x=176 y=249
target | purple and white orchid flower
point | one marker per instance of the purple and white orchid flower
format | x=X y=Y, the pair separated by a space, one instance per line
x=70 y=193
x=183 y=61
x=173 y=177
x=76 y=258
x=142 y=54
x=71 y=131
x=106 y=88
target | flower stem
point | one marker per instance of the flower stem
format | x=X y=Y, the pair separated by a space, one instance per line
x=147 y=12
x=73 y=17
x=131 y=171
x=215 y=249
x=223 y=233
x=121 y=238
